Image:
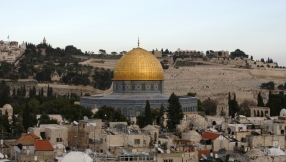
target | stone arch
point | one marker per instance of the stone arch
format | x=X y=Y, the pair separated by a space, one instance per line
x=131 y=112
x=258 y=114
x=254 y=112
x=262 y=114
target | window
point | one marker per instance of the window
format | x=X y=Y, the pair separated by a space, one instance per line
x=136 y=141
x=59 y=139
x=168 y=160
x=221 y=144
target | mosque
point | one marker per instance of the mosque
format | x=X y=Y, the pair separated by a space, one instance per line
x=138 y=76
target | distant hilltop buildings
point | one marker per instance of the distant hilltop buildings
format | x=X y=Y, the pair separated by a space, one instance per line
x=10 y=50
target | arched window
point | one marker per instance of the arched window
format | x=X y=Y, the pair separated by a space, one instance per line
x=258 y=115
x=254 y=112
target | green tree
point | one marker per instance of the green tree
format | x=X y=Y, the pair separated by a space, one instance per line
x=175 y=112
x=110 y=114
x=244 y=107
x=27 y=121
x=260 y=100
x=209 y=106
x=140 y=121
x=161 y=115
x=191 y=94
x=5 y=121
x=45 y=119
x=233 y=105
x=148 y=114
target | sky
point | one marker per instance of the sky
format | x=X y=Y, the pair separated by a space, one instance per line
x=257 y=27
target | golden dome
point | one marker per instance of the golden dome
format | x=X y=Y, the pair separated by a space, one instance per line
x=138 y=64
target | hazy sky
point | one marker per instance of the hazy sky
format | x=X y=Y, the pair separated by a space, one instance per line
x=258 y=27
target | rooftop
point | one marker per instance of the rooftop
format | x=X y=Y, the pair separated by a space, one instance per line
x=43 y=145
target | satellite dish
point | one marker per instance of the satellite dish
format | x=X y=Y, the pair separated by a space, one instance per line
x=85 y=118
x=267 y=116
x=204 y=156
x=16 y=149
x=160 y=150
x=125 y=152
x=199 y=147
x=156 y=145
x=168 y=151
x=76 y=123
x=129 y=143
x=108 y=153
x=1 y=156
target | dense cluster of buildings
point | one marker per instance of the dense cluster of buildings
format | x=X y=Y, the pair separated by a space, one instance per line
x=11 y=50
x=139 y=77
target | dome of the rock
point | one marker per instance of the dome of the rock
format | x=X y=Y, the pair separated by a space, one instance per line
x=138 y=64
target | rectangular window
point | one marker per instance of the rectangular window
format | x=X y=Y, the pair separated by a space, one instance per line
x=168 y=160
x=59 y=140
x=136 y=141
x=221 y=144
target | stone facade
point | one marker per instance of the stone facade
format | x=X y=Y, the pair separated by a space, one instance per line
x=266 y=140
x=259 y=111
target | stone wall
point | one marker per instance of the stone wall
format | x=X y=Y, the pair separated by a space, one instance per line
x=266 y=140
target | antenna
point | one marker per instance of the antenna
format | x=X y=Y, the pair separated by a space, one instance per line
x=129 y=143
x=271 y=132
x=125 y=152
x=161 y=150
x=204 y=156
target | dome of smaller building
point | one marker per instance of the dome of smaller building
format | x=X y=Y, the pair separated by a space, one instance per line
x=275 y=152
x=192 y=133
x=283 y=112
x=7 y=107
x=76 y=156
x=198 y=122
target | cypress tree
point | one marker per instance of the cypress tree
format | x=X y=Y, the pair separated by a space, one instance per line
x=269 y=99
x=161 y=115
x=14 y=92
x=24 y=91
x=175 y=112
x=260 y=100
x=27 y=122
x=148 y=115
x=42 y=92
x=48 y=91
x=34 y=91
